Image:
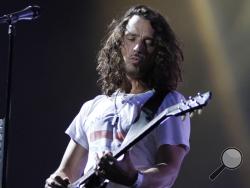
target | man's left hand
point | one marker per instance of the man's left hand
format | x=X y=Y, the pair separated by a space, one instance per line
x=118 y=171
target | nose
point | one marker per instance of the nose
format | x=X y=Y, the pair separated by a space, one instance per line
x=139 y=47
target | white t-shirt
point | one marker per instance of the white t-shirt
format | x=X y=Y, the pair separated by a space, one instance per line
x=92 y=128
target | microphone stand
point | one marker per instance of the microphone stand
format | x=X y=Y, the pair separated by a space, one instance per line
x=29 y=13
x=5 y=125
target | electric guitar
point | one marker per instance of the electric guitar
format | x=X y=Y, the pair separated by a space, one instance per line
x=136 y=133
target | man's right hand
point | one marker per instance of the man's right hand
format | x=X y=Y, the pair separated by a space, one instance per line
x=56 y=181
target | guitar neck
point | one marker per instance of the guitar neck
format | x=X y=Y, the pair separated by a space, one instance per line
x=138 y=131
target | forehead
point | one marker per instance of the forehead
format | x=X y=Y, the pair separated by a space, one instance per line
x=139 y=25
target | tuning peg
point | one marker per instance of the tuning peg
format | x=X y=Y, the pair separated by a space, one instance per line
x=200 y=111
x=183 y=117
x=182 y=101
x=200 y=95
x=191 y=114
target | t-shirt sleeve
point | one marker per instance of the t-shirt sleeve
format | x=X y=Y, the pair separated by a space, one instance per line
x=173 y=131
x=76 y=129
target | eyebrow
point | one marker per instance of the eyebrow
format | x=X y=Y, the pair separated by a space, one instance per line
x=136 y=35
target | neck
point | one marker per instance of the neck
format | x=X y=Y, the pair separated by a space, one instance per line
x=138 y=86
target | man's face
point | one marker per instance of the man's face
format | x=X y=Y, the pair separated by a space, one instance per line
x=138 y=47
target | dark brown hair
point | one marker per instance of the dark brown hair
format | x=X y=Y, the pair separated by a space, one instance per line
x=167 y=63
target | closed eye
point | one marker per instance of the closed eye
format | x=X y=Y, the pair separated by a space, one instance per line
x=130 y=37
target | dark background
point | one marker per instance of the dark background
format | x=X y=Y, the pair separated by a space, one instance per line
x=54 y=73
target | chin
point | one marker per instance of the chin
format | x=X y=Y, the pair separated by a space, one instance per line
x=135 y=75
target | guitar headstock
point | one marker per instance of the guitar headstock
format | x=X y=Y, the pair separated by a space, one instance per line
x=192 y=104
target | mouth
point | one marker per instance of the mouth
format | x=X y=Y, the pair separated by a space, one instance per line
x=136 y=59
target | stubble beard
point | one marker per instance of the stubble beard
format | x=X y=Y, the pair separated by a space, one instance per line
x=139 y=71
x=133 y=71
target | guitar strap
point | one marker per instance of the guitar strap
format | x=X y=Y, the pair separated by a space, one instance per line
x=149 y=108
x=153 y=103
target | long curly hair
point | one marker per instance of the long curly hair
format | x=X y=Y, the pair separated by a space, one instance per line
x=166 y=73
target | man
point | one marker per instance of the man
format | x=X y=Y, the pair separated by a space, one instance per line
x=140 y=56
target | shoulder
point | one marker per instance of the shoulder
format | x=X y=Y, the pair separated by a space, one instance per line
x=173 y=97
x=90 y=104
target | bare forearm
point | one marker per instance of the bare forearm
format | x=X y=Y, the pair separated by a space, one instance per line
x=74 y=161
x=162 y=175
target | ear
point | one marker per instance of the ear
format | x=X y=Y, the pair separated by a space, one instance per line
x=122 y=47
